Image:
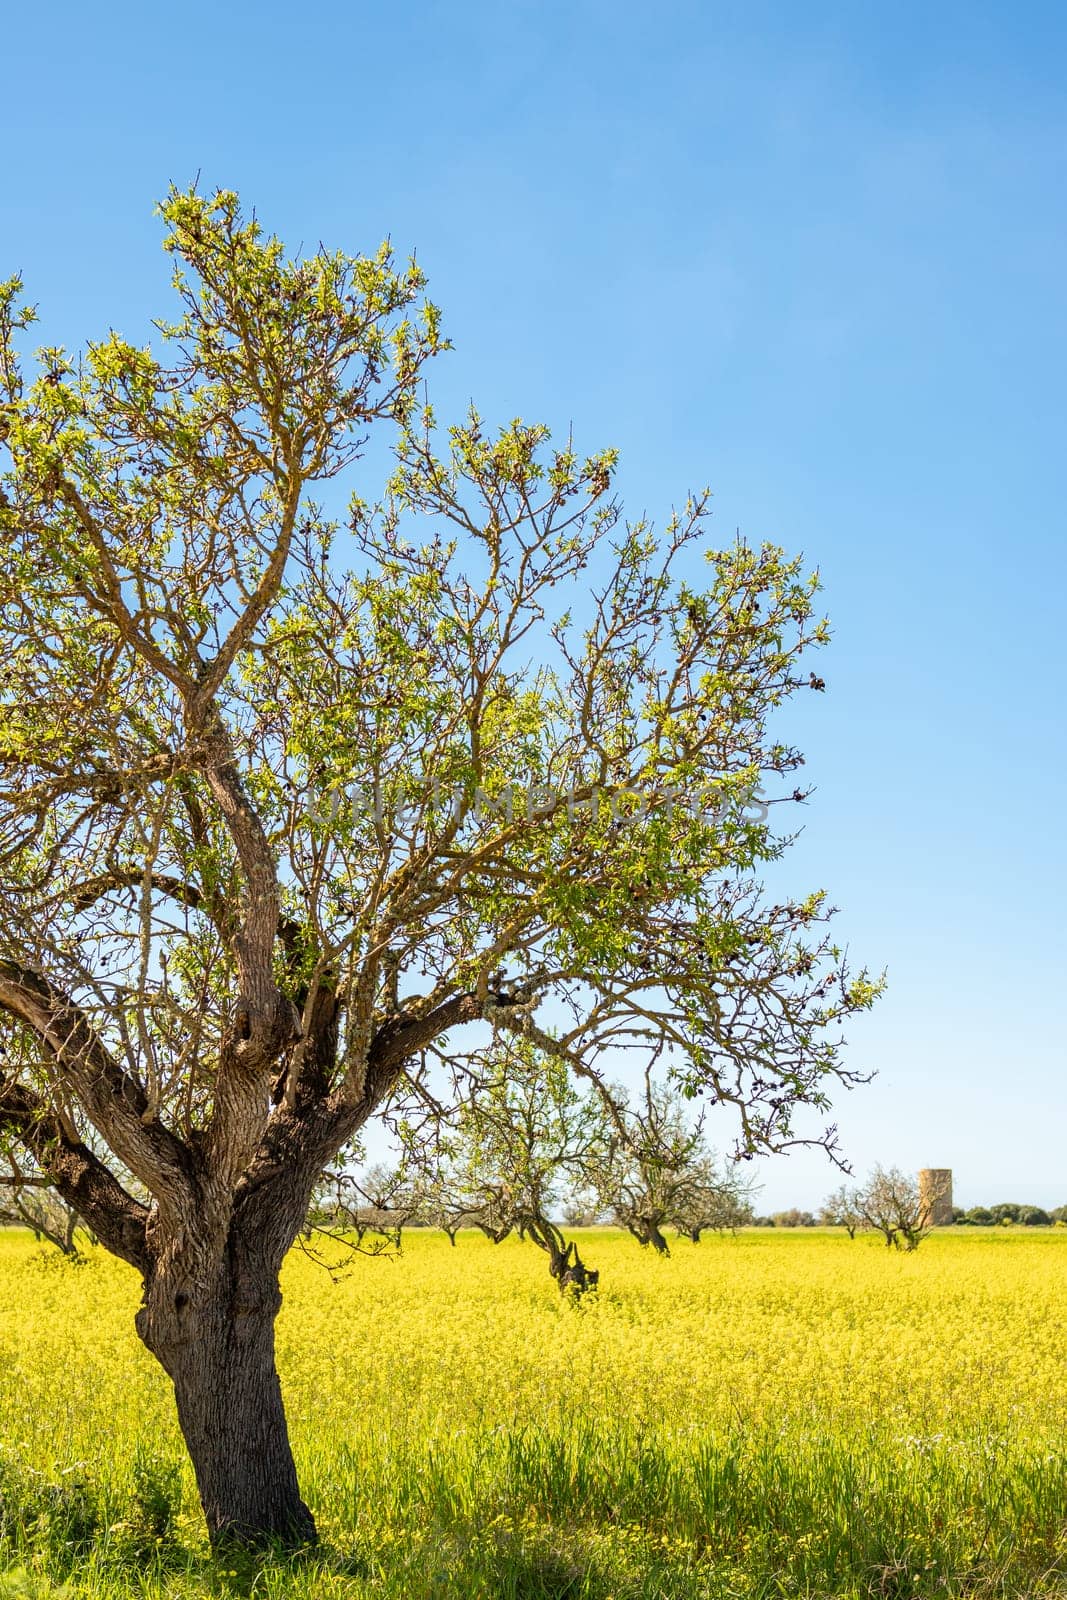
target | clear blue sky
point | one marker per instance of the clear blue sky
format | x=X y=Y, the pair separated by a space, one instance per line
x=811 y=255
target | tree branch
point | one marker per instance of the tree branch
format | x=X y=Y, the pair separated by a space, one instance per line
x=93 y=889
x=81 y=1178
x=115 y=1102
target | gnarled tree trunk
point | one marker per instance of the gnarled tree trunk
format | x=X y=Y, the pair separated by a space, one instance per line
x=564 y=1262
x=647 y=1231
x=214 y=1336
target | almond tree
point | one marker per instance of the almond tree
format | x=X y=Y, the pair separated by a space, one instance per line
x=452 y=1192
x=890 y=1203
x=438 y=1198
x=844 y=1209
x=653 y=1169
x=296 y=802
x=378 y=1202
x=520 y=1137
x=717 y=1201
x=29 y=1200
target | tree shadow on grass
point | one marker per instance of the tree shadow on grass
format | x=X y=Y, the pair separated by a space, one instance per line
x=450 y=1570
x=241 y=1572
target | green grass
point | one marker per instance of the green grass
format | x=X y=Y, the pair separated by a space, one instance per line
x=767 y=1415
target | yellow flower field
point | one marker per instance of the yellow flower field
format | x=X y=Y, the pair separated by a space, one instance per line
x=766 y=1414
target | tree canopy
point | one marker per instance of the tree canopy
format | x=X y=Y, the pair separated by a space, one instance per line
x=298 y=804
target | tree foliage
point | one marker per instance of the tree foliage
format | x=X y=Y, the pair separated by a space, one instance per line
x=521 y=1138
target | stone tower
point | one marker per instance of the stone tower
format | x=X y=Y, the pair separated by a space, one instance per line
x=935 y=1195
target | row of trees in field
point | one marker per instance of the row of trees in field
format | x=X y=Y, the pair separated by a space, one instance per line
x=524 y=1151
x=1010 y=1213
x=537 y=1159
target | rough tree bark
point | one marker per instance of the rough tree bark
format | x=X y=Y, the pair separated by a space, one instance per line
x=215 y=1340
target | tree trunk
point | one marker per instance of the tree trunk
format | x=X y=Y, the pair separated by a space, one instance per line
x=654 y=1236
x=217 y=1345
x=564 y=1262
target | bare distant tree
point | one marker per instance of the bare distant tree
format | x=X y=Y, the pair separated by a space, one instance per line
x=718 y=1201
x=438 y=1195
x=655 y=1170
x=450 y=1183
x=844 y=1209
x=45 y=1213
x=28 y=1199
x=376 y=1202
x=890 y=1203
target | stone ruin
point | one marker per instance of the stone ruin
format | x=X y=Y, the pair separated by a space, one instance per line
x=935 y=1195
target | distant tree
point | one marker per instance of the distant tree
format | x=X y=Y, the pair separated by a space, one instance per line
x=438 y=1195
x=292 y=809
x=843 y=1209
x=519 y=1139
x=29 y=1199
x=458 y=1192
x=1008 y=1212
x=653 y=1169
x=1059 y=1215
x=43 y=1211
x=891 y=1204
x=719 y=1202
x=376 y=1203
x=582 y=1210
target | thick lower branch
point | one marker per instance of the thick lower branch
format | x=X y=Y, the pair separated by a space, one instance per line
x=79 y=1176
x=116 y=1103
